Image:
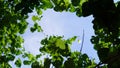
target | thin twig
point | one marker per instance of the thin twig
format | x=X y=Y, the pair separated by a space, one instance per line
x=82 y=41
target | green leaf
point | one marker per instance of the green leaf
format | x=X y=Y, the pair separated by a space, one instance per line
x=35 y=65
x=84 y=56
x=86 y=9
x=31 y=57
x=38 y=56
x=47 y=62
x=22 y=26
x=79 y=41
x=72 y=8
x=3 y=41
x=35 y=18
x=26 y=62
x=75 y=2
x=18 y=62
x=57 y=63
x=70 y=40
x=60 y=43
x=36 y=27
x=10 y=57
x=73 y=38
x=32 y=29
x=39 y=11
x=46 y=4
x=79 y=12
x=18 y=52
x=69 y=63
x=39 y=29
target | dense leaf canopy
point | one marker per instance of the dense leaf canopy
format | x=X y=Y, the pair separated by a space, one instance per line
x=13 y=15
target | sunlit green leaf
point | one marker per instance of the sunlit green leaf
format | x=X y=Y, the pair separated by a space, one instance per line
x=60 y=43
x=31 y=57
x=79 y=41
x=72 y=8
x=70 y=40
x=39 y=11
x=35 y=18
x=39 y=29
x=46 y=4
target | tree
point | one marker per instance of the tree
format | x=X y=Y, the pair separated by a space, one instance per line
x=13 y=15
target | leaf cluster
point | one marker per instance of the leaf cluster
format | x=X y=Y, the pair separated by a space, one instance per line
x=106 y=23
x=60 y=55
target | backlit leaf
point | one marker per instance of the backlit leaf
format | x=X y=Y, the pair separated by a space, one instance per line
x=35 y=18
x=60 y=43
x=79 y=41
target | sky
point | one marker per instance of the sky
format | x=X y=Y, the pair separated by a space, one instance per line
x=61 y=24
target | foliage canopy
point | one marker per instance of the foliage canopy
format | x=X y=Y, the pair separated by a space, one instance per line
x=13 y=15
